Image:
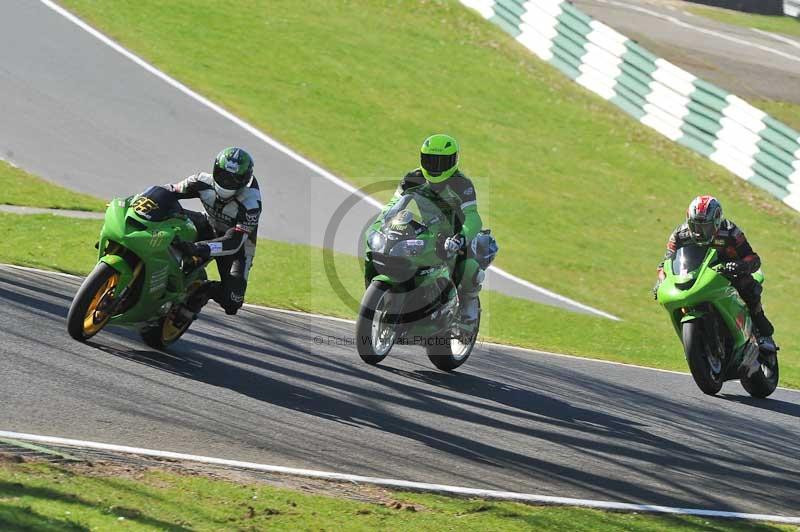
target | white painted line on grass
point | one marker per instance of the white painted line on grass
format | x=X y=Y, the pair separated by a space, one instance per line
x=284 y=149
x=402 y=484
x=310 y=315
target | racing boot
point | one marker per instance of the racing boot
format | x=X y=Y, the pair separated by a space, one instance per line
x=196 y=301
x=470 y=308
x=764 y=328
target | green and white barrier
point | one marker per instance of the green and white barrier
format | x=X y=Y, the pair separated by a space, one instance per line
x=677 y=104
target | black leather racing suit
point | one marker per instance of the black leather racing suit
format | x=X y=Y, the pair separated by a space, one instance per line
x=230 y=230
x=732 y=246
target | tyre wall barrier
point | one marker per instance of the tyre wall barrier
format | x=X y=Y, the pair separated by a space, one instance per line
x=686 y=109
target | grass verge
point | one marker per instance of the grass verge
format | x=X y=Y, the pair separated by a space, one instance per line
x=774 y=24
x=36 y=496
x=17 y=187
x=786 y=112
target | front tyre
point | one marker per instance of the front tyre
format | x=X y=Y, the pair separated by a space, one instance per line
x=93 y=303
x=763 y=382
x=706 y=370
x=375 y=335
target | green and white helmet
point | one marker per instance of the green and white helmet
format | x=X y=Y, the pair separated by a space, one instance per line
x=439 y=158
x=233 y=169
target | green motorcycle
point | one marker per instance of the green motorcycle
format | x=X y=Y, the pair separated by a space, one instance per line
x=411 y=298
x=714 y=324
x=141 y=279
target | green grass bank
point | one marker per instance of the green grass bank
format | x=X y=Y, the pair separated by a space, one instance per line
x=39 y=497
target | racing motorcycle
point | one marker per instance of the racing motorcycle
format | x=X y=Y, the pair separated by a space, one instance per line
x=412 y=298
x=141 y=279
x=714 y=324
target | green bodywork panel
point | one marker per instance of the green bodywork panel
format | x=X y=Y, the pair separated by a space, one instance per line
x=683 y=294
x=127 y=239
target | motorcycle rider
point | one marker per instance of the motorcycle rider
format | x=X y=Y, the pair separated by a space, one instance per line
x=227 y=231
x=455 y=194
x=706 y=226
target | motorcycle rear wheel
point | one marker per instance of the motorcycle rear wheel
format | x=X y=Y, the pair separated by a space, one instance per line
x=91 y=307
x=448 y=353
x=763 y=382
x=164 y=332
x=694 y=345
x=374 y=337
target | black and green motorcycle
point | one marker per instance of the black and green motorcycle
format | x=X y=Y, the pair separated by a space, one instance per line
x=714 y=324
x=141 y=279
x=411 y=297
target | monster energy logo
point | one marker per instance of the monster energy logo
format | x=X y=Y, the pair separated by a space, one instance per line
x=158 y=238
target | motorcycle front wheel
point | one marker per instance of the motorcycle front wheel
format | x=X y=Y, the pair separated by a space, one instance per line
x=706 y=370
x=93 y=303
x=375 y=335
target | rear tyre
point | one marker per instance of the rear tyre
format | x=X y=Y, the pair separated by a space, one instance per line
x=706 y=376
x=92 y=305
x=449 y=353
x=374 y=335
x=763 y=382
x=164 y=332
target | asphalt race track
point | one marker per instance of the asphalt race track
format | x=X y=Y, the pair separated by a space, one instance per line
x=289 y=390
x=746 y=62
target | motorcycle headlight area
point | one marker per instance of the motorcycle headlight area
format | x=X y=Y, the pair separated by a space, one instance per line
x=407 y=248
x=376 y=241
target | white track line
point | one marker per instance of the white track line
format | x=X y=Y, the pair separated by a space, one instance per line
x=781 y=38
x=401 y=484
x=284 y=149
x=310 y=315
x=683 y=24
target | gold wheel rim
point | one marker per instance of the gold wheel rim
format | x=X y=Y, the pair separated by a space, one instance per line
x=169 y=331
x=95 y=318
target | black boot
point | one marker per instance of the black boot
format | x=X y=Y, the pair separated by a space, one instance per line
x=765 y=331
x=200 y=297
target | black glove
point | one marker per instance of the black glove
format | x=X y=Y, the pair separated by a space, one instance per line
x=454 y=244
x=194 y=249
x=733 y=269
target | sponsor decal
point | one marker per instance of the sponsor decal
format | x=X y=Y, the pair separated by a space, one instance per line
x=158 y=281
x=215 y=247
x=143 y=206
x=740 y=319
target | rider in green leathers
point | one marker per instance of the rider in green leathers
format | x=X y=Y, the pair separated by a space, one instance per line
x=455 y=196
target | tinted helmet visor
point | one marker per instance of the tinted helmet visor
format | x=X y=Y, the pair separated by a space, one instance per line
x=703 y=232
x=229 y=180
x=436 y=164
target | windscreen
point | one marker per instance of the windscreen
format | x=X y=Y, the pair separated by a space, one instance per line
x=156 y=204
x=688 y=259
x=422 y=210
